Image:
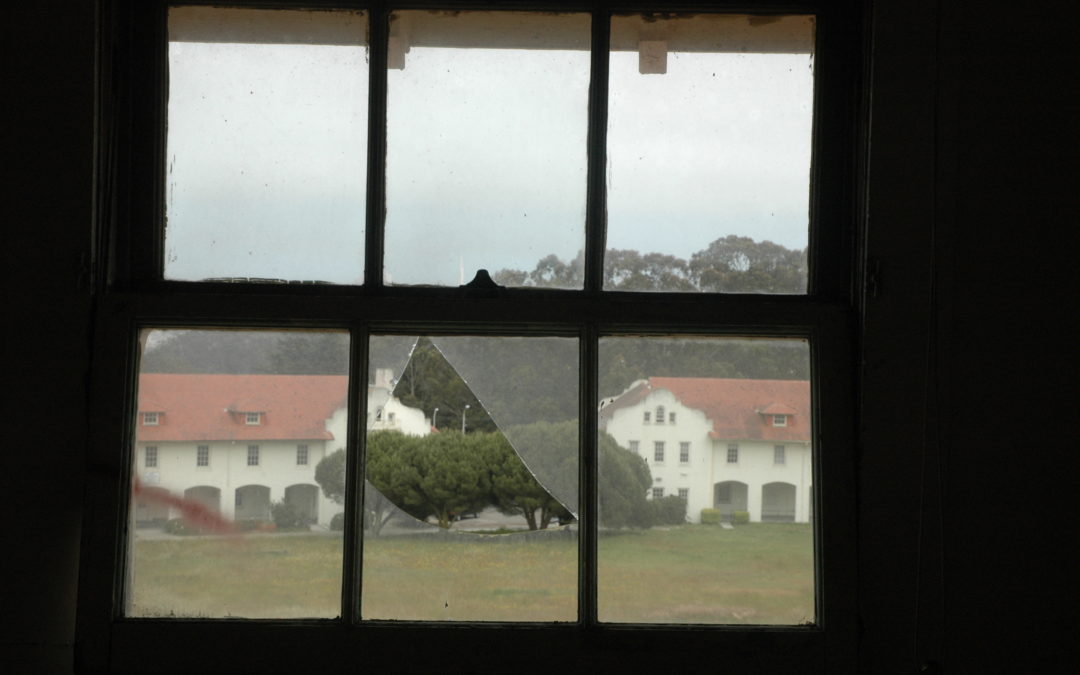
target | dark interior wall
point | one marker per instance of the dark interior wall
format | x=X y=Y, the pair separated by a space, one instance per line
x=963 y=478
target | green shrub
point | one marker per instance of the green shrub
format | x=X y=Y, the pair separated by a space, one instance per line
x=287 y=516
x=740 y=517
x=710 y=516
x=337 y=523
x=177 y=526
x=670 y=510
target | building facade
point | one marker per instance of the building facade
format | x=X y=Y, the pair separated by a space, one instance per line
x=238 y=443
x=727 y=444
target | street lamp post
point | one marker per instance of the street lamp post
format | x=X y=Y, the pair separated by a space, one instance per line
x=435 y=418
x=463 y=417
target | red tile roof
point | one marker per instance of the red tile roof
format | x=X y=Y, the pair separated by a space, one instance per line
x=738 y=409
x=211 y=407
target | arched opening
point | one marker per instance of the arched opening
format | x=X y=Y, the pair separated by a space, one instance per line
x=728 y=497
x=151 y=507
x=252 y=502
x=778 y=503
x=207 y=495
x=305 y=499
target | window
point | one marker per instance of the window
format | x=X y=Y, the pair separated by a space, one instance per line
x=301 y=455
x=658 y=493
x=779 y=455
x=732 y=454
x=352 y=226
x=779 y=420
x=684 y=452
x=723 y=493
x=150 y=456
x=150 y=419
x=202 y=455
x=635 y=447
x=684 y=494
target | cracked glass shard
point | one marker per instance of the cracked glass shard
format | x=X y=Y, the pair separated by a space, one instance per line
x=458 y=526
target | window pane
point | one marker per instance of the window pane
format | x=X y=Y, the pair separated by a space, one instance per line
x=472 y=484
x=709 y=129
x=486 y=147
x=732 y=542
x=267 y=138
x=225 y=520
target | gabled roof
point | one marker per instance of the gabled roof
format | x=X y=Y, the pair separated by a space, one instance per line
x=204 y=407
x=738 y=409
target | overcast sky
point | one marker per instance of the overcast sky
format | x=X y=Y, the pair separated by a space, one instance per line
x=485 y=162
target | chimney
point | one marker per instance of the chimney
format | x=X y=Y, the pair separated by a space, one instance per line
x=384 y=377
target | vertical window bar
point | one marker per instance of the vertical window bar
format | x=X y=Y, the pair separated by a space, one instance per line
x=588 y=501
x=354 y=472
x=596 y=196
x=378 y=32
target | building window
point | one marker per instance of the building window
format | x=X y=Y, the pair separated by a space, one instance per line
x=779 y=420
x=658 y=493
x=150 y=456
x=635 y=447
x=150 y=419
x=684 y=452
x=684 y=494
x=659 y=414
x=732 y=454
x=586 y=298
x=658 y=451
x=390 y=417
x=301 y=455
x=779 y=455
x=202 y=455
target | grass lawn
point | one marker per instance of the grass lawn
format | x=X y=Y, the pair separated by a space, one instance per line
x=752 y=574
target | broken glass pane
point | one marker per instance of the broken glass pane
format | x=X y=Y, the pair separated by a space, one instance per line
x=459 y=527
x=266 y=146
x=708 y=148
x=705 y=481
x=228 y=515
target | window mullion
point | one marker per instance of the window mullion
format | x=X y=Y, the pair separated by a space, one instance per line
x=588 y=501
x=354 y=483
x=596 y=195
x=378 y=31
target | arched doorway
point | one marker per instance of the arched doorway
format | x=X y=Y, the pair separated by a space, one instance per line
x=305 y=499
x=151 y=507
x=252 y=502
x=728 y=497
x=207 y=495
x=778 y=503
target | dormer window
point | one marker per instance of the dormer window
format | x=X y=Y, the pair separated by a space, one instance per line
x=150 y=419
x=779 y=420
x=253 y=418
x=659 y=414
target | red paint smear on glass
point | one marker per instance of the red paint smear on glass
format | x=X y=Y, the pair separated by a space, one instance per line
x=193 y=512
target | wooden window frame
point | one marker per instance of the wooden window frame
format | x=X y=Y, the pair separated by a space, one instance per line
x=133 y=295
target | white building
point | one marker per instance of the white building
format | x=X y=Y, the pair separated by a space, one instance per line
x=237 y=443
x=728 y=444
